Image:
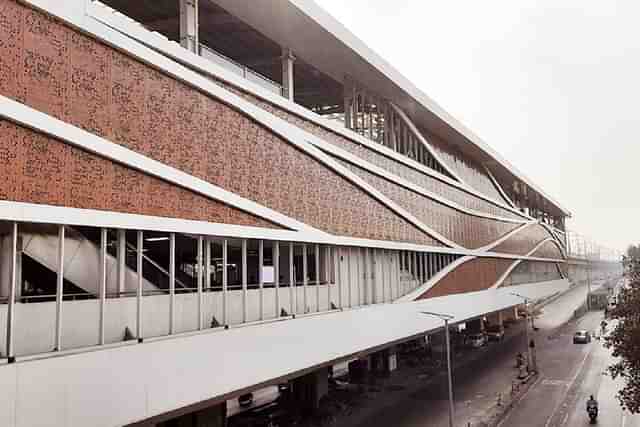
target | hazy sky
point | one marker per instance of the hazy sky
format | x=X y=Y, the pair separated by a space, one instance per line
x=554 y=86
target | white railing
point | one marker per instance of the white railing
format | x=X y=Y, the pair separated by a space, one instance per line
x=239 y=69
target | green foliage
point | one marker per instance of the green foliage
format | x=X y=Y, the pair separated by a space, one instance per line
x=625 y=337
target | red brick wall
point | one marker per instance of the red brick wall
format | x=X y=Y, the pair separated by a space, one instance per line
x=523 y=241
x=475 y=275
x=412 y=175
x=548 y=250
x=37 y=169
x=466 y=230
x=77 y=79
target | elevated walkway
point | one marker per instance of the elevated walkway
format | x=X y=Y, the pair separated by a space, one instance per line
x=133 y=383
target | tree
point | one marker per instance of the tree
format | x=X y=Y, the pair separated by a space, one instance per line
x=625 y=337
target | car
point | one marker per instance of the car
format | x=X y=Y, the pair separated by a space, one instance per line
x=476 y=340
x=495 y=333
x=245 y=400
x=582 y=337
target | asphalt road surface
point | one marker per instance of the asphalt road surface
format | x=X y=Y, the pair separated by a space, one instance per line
x=570 y=373
x=603 y=388
x=476 y=385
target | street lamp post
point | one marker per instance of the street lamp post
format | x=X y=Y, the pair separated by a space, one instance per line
x=526 y=330
x=446 y=318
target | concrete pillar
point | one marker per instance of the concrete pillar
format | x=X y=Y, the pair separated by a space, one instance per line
x=189 y=25
x=359 y=370
x=495 y=318
x=307 y=390
x=287 y=73
x=385 y=361
x=474 y=325
x=510 y=314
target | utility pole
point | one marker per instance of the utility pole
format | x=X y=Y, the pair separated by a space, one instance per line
x=526 y=331
x=446 y=318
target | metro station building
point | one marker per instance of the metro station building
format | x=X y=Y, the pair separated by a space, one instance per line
x=181 y=180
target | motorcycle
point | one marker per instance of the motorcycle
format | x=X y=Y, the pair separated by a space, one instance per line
x=593 y=413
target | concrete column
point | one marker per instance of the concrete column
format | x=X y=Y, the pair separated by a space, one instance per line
x=189 y=25
x=307 y=390
x=359 y=370
x=510 y=314
x=385 y=361
x=495 y=318
x=287 y=73
x=474 y=325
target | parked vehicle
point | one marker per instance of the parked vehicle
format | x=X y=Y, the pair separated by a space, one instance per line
x=476 y=340
x=495 y=333
x=582 y=337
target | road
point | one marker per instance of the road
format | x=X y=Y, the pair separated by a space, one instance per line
x=570 y=373
x=603 y=388
x=476 y=384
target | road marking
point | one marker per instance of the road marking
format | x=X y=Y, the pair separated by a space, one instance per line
x=624 y=419
x=555 y=382
x=573 y=380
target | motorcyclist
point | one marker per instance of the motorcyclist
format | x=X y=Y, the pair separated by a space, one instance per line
x=592 y=403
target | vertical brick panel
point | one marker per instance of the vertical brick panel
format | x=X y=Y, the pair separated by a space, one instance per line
x=44 y=71
x=474 y=275
x=11 y=46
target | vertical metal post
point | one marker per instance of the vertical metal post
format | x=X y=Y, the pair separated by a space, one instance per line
x=446 y=334
x=59 y=288
x=261 y=276
x=390 y=272
x=358 y=258
x=327 y=266
x=349 y=276
x=122 y=256
x=172 y=283
x=12 y=292
x=103 y=284
x=292 y=282
x=374 y=276
x=434 y=264
x=225 y=262
x=365 y=272
x=383 y=275
x=207 y=267
x=199 y=279
x=189 y=25
x=338 y=262
x=305 y=273
x=276 y=275
x=287 y=73
x=317 y=262
x=397 y=257
x=244 y=281
x=526 y=335
x=139 y=288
